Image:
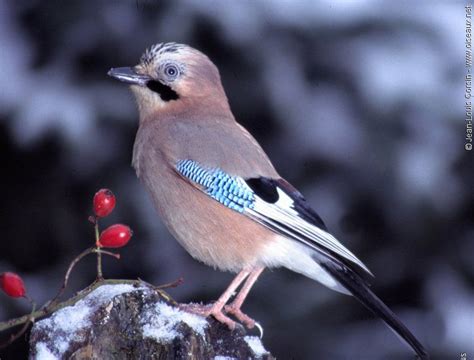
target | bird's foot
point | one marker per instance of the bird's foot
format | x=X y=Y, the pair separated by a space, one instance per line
x=243 y=318
x=206 y=310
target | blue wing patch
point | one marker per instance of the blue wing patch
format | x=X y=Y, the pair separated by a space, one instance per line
x=230 y=191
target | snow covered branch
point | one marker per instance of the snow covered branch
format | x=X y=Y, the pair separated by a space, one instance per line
x=137 y=321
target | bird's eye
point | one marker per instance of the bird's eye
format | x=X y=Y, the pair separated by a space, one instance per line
x=171 y=71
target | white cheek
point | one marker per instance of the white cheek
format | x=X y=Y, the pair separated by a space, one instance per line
x=147 y=100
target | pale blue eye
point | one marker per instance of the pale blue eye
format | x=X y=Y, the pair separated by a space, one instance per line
x=171 y=71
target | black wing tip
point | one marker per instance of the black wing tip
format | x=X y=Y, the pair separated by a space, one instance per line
x=424 y=355
x=421 y=353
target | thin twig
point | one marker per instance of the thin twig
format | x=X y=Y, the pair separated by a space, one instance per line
x=71 y=267
x=24 y=328
x=117 y=256
x=160 y=288
x=68 y=273
x=99 y=255
x=47 y=310
x=173 y=284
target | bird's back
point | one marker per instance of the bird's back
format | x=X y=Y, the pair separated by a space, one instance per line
x=217 y=141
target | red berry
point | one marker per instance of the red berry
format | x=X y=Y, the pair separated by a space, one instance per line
x=115 y=236
x=104 y=202
x=12 y=284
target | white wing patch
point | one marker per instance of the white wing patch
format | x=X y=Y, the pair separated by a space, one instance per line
x=282 y=216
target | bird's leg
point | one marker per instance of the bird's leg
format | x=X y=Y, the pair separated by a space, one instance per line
x=216 y=308
x=234 y=307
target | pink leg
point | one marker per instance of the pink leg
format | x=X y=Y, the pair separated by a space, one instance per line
x=234 y=307
x=216 y=308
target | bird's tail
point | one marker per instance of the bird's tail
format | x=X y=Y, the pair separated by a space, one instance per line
x=361 y=291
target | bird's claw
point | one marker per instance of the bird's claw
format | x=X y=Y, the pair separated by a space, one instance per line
x=260 y=329
x=206 y=310
x=243 y=318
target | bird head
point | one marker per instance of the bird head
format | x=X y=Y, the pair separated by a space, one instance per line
x=170 y=77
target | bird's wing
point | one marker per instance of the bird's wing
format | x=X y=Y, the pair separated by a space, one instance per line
x=275 y=204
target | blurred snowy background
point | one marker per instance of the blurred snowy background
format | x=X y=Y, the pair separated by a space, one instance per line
x=360 y=105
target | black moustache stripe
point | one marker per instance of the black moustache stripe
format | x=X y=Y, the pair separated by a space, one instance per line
x=165 y=92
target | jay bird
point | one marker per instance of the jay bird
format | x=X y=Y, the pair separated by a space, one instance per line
x=220 y=196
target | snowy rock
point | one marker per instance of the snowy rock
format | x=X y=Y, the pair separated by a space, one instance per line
x=124 y=321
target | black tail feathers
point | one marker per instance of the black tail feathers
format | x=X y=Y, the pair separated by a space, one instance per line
x=361 y=291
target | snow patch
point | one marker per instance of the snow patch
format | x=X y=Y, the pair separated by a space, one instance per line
x=43 y=353
x=256 y=346
x=219 y=357
x=64 y=326
x=160 y=321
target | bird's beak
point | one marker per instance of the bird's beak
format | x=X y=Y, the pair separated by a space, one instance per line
x=129 y=75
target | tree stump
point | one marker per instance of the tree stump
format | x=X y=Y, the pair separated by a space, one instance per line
x=124 y=321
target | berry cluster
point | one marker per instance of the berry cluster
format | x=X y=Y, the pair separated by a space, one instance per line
x=114 y=236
